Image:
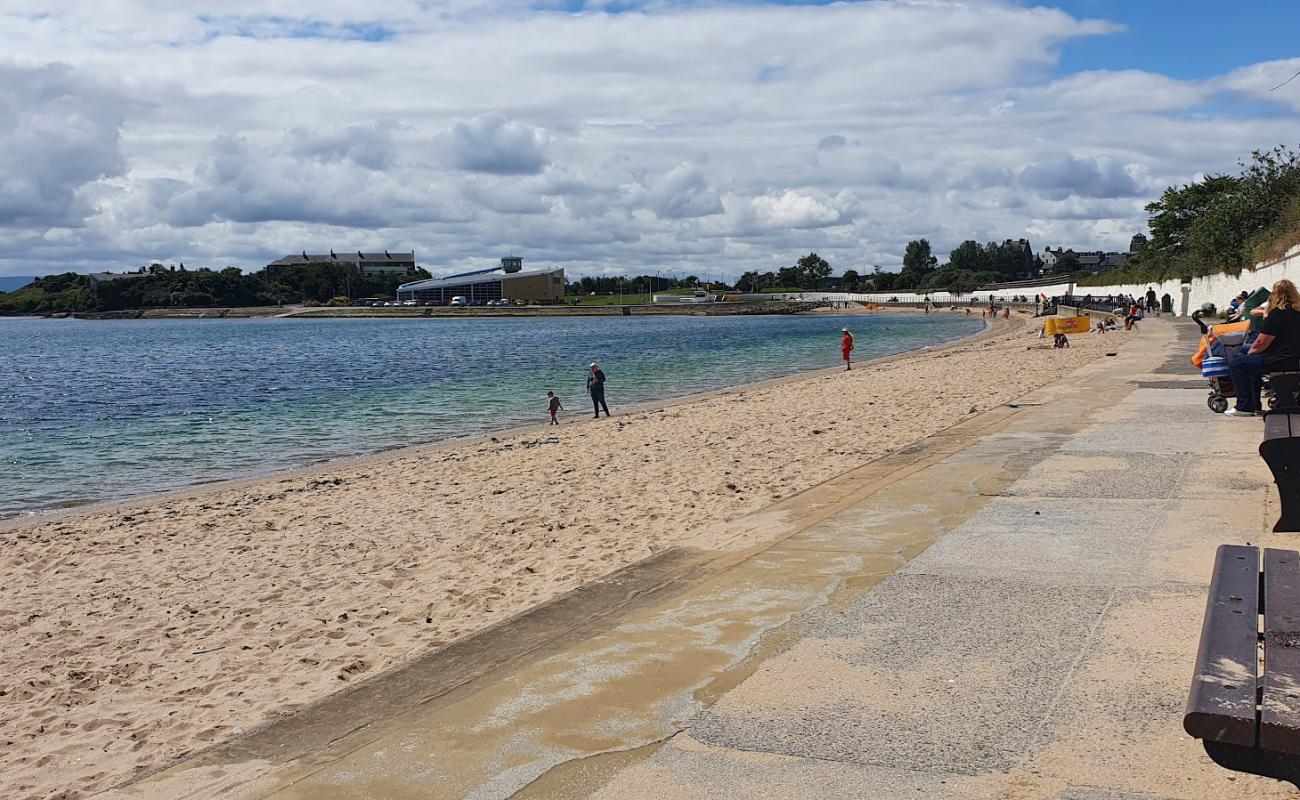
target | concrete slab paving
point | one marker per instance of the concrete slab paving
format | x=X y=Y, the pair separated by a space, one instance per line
x=1093 y=793
x=1129 y=687
x=1170 y=398
x=1245 y=472
x=686 y=769
x=1178 y=439
x=903 y=518
x=1132 y=416
x=904 y=679
x=1116 y=474
x=1066 y=540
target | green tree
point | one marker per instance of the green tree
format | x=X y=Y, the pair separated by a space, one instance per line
x=850 y=279
x=1066 y=264
x=918 y=258
x=812 y=269
x=1179 y=207
x=882 y=281
x=969 y=255
x=1007 y=260
x=963 y=281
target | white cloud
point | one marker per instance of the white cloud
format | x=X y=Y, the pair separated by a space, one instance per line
x=1063 y=175
x=795 y=209
x=683 y=193
x=370 y=146
x=59 y=134
x=1272 y=81
x=677 y=137
x=492 y=143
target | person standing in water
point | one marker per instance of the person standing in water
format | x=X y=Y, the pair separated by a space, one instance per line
x=846 y=347
x=596 y=387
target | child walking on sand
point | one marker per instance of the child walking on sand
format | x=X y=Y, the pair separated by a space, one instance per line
x=555 y=407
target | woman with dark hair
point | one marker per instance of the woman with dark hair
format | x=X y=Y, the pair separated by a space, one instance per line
x=1276 y=349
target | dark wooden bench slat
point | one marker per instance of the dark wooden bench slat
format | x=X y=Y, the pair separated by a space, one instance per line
x=1283 y=459
x=1221 y=703
x=1279 y=715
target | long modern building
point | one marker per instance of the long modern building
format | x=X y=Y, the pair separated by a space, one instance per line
x=366 y=263
x=508 y=281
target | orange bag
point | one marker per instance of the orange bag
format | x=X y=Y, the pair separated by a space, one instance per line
x=1215 y=330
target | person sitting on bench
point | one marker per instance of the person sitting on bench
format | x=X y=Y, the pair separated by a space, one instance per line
x=1276 y=349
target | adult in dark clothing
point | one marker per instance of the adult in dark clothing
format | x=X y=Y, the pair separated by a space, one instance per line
x=1152 y=305
x=596 y=386
x=1276 y=349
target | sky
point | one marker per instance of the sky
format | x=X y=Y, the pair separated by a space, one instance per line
x=616 y=136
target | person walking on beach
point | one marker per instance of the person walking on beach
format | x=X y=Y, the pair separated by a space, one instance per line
x=555 y=407
x=596 y=387
x=846 y=347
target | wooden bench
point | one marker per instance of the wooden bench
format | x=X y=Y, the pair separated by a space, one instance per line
x=1246 y=723
x=1281 y=446
x=1282 y=389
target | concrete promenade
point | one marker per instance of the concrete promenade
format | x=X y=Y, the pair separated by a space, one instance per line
x=1008 y=609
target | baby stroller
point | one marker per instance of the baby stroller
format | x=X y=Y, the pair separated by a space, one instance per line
x=1223 y=350
x=1220 y=344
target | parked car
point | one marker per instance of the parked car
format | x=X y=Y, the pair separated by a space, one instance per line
x=500 y=302
x=457 y=302
x=430 y=303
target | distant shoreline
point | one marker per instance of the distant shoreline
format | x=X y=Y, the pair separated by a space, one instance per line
x=769 y=308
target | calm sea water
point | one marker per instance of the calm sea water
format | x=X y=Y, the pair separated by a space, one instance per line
x=110 y=409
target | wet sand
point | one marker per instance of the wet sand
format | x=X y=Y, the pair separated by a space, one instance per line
x=133 y=634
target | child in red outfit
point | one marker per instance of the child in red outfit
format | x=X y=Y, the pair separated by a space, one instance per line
x=846 y=347
x=554 y=407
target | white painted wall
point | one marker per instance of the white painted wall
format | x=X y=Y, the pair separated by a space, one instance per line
x=1217 y=289
x=939 y=298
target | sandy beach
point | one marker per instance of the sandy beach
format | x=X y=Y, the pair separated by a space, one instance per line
x=132 y=635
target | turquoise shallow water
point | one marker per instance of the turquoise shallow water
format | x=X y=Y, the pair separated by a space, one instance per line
x=105 y=410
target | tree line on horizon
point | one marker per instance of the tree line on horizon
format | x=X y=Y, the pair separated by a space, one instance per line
x=969 y=266
x=166 y=286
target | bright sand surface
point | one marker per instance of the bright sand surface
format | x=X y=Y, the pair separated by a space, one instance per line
x=134 y=634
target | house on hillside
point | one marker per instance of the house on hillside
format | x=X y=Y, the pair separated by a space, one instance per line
x=1088 y=260
x=382 y=263
x=96 y=278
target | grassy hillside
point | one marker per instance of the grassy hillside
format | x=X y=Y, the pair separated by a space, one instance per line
x=53 y=293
